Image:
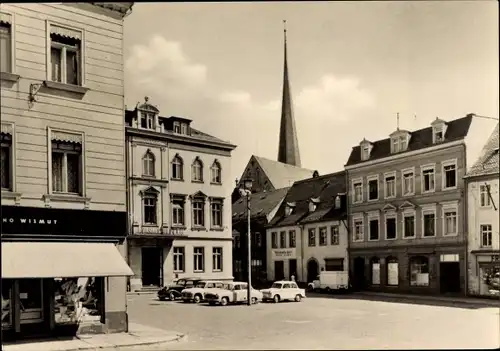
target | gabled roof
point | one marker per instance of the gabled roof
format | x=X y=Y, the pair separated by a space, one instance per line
x=282 y=175
x=324 y=187
x=420 y=139
x=261 y=204
x=488 y=161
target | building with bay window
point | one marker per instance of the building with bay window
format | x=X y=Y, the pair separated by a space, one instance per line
x=407 y=209
x=179 y=200
x=62 y=169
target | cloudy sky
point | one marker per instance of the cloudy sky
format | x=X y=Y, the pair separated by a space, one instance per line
x=353 y=66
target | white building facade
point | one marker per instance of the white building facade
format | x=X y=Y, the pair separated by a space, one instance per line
x=179 y=200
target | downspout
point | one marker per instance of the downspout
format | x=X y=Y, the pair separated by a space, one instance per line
x=302 y=241
x=465 y=229
x=348 y=225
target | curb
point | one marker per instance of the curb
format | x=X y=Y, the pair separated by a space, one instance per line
x=135 y=293
x=178 y=338
x=489 y=303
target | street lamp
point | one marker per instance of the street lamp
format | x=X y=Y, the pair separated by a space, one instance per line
x=245 y=190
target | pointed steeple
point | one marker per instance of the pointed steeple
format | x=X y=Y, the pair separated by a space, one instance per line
x=288 y=148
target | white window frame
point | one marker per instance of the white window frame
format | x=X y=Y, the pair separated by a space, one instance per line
x=220 y=203
x=453 y=162
x=355 y=182
x=447 y=208
x=365 y=152
x=409 y=213
x=373 y=216
x=483 y=229
x=405 y=172
x=274 y=240
x=356 y=219
x=428 y=210
x=177 y=128
x=216 y=167
x=12 y=15
x=198 y=254
x=309 y=231
x=389 y=215
x=10 y=128
x=48 y=45
x=325 y=228
x=197 y=163
x=395 y=145
x=193 y=212
x=179 y=162
x=387 y=175
x=179 y=256
x=486 y=195
x=153 y=197
x=151 y=164
x=83 y=159
x=422 y=180
x=436 y=129
x=368 y=179
x=403 y=142
x=292 y=235
x=216 y=254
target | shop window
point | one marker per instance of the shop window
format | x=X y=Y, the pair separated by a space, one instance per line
x=6 y=304
x=79 y=300
x=375 y=266
x=30 y=296
x=490 y=280
x=419 y=271
x=392 y=271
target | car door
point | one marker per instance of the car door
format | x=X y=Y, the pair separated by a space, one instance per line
x=286 y=291
x=294 y=289
x=243 y=293
x=237 y=293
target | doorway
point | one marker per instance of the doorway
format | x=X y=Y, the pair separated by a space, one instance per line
x=358 y=279
x=292 y=268
x=152 y=266
x=312 y=270
x=449 y=277
x=279 y=270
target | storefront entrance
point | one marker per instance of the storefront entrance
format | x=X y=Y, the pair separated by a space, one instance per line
x=152 y=266
x=358 y=279
x=292 y=268
x=449 y=277
x=279 y=270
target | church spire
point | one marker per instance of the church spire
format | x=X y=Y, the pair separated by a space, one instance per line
x=288 y=148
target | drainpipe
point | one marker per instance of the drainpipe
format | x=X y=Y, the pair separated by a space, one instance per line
x=465 y=227
x=302 y=240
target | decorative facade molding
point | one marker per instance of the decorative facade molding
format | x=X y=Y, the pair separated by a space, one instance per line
x=66 y=137
x=7 y=128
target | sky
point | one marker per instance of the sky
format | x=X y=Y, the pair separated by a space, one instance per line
x=352 y=66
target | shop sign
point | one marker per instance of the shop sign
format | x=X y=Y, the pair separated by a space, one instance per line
x=283 y=253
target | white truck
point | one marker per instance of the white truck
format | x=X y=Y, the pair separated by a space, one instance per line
x=330 y=281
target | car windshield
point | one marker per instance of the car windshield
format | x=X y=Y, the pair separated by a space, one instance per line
x=276 y=286
x=200 y=285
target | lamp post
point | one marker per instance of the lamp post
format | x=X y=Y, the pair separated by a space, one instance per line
x=245 y=190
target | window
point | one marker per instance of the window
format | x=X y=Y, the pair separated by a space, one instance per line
x=149 y=208
x=374 y=229
x=198 y=213
x=390 y=186
x=395 y=145
x=428 y=179
x=486 y=235
x=392 y=271
x=373 y=189
x=375 y=263
x=338 y=202
x=358 y=191
x=148 y=164
x=291 y=238
x=403 y=143
x=334 y=264
x=216 y=173
x=178 y=212
x=449 y=175
x=450 y=221
x=408 y=225
x=438 y=134
x=184 y=128
x=198 y=256
x=147 y=120
x=484 y=193
x=258 y=239
x=365 y=153
x=419 y=271
x=5 y=45
x=197 y=170
x=274 y=240
x=66 y=167
x=429 y=224
x=177 y=128
x=408 y=183
x=237 y=241
x=177 y=168
x=334 y=235
x=358 y=230
x=283 y=239
x=312 y=237
x=178 y=259
x=323 y=237
x=65 y=55
x=216 y=209
x=390 y=228
x=6 y=165
x=217 y=259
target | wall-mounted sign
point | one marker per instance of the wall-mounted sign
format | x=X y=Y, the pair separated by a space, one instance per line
x=283 y=253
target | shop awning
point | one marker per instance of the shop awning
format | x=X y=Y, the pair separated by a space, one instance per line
x=60 y=260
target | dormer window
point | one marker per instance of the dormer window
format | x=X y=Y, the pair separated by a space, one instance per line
x=337 y=202
x=438 y=134
x=438 y=130
x=177 y=128
x=290 y=206
x=147 y=120
x=313 y=204
x=366 y=148
x=366 y=153
x=399 y=141
x=184 y=128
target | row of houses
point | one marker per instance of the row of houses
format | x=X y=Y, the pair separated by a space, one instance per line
x=403 y=216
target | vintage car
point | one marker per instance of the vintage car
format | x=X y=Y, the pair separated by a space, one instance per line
x=173 y=290
x=283 y=290
x=232 y=293
x=197 y=293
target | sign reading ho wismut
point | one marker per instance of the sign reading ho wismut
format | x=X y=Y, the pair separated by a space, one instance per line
x=26 y=222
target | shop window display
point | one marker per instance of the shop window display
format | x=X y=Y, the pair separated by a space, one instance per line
x=6 y=303
x=78 y=300
x=490 y=280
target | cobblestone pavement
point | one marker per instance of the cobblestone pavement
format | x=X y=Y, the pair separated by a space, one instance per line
x=321 y=323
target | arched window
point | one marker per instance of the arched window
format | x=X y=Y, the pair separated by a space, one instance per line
x=216 y=173
x=419 y=271
x=197 y=170
x=148 y=164
x=375 y=267
x=177 y=168
x=149 y=203
x=392 y=271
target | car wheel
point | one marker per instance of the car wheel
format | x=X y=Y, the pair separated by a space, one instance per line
x=171 y=296
x=298 y=298
x=197 y=298
x=276 y=298
x=224 y=301
x=254 y=300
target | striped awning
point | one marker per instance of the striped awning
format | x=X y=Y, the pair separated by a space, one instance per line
x=5 y=18
x=65 y=32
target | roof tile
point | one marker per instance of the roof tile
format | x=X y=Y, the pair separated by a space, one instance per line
x=488 y=161
x=261 y=204
x=280 y=174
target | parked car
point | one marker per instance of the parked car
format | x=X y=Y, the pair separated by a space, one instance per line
x=173 y=290
x=232 y=293
x=283 y=290
x=197 y=293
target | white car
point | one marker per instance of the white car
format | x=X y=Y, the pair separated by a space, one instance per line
x=235 y=292
x=197 y=293
x=283 y=290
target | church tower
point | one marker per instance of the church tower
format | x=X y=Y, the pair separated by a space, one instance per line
x=288 y=148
